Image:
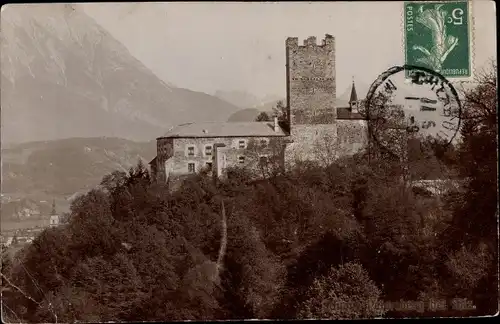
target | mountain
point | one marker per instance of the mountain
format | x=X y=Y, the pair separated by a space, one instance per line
x=238 y=98
x=58 y=169
x=244 y=99
x=270 y=105
x=244 y=115
x=63 y=75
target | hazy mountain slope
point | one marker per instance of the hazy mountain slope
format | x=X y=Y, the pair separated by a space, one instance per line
x=269 y=105
x=238 y=98
x=249 y=114
x=23 y=209
x=244 y=99
x=65 y=76
x=43 y=170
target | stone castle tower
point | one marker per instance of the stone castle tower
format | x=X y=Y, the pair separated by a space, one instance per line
x=310 y=81
x=311 y=97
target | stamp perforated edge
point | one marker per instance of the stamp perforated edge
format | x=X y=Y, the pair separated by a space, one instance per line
x=472 y=39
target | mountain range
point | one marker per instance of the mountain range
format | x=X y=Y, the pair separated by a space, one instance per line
x=244 y=99
x=63 y=76
x=250 y=114
x=62 y=169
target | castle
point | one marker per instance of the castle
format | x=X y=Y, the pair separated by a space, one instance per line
x=313 y=127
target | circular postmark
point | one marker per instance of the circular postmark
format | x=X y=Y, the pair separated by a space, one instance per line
x=410 y=101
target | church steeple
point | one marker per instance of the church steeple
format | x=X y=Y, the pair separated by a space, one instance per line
x=353 y=101
x=54 y=207
x=354 y=96
x=54 y=218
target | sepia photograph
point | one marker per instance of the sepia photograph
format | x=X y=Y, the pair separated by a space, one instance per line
x=214 y=161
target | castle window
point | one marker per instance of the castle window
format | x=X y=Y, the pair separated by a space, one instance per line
x=191 y=167
x=241 y=159
x=190 y=150
x=208 y=150
x=241 y=144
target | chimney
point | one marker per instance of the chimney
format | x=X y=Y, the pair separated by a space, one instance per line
x=276 y=126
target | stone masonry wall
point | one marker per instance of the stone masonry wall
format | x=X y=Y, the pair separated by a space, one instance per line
x=325 y=143
x=312 y=143
x=352 y=136
x=244 y=152
x=164 y=151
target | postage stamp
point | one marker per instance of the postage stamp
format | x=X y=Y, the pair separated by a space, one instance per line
x=437 y=36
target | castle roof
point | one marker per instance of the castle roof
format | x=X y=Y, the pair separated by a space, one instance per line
x=346 y=113
x=224 y=129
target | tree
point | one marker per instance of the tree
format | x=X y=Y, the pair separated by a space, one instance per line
x=262 y=117
x=475 y=219
x=346 y=292
x=253 y=276
x=475 y=210
x=283 y=115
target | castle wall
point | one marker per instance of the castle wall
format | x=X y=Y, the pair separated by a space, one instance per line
x=312 y=143
x=352 y=136
x=323 y=143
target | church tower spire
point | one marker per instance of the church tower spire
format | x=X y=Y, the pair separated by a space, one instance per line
x=353 y=101
x=53 y=207
x=54 y=218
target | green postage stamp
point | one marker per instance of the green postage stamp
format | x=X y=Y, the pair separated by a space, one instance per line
x=437 y=37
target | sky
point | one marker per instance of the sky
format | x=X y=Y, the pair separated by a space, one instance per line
x=209 y=46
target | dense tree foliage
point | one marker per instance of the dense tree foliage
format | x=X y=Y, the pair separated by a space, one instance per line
x=344 y=293
x=338 y=241
x=263 y=117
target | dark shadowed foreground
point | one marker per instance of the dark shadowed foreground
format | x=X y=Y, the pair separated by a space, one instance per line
x=347 y=241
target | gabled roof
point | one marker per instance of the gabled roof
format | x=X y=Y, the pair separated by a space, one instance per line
x=224 y=129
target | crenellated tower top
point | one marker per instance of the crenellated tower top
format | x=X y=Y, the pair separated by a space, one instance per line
x=311 y=41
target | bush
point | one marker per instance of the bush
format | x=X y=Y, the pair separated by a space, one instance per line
x=345 y=292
